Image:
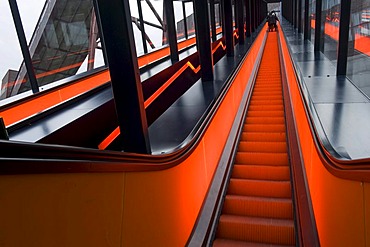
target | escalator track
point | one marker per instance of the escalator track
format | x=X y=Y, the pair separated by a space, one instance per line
x=258 y=207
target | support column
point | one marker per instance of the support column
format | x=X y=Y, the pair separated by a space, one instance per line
x=185 y=22
x=295 y=14
x=171 y=30
x=319 y=35
x=239 y=6
x=203 y=39
x=345 y=16
x=299 y=16
x=253 y=13
x=213 y=19
x=307 y=24
x=142 y=28
x=228 y=27
x=117 y=31
x=24 y=47
x=248 y=17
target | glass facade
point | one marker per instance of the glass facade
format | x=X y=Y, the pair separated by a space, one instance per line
x=358 y=64
x=312 y=16
x=63 y=41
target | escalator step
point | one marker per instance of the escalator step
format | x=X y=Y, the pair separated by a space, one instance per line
x=279 y=208
x=262 y=147
x=248 y=158
x=221 y=242
x=261 y=188
x=281 y=173
x=263 y=137
x=255 y=229
x=265 y=120
x=267 y=102
x=265 y=113
x=272 y=108
x=264 y=128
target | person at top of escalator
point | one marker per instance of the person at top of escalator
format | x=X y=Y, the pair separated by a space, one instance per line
x=272 y=20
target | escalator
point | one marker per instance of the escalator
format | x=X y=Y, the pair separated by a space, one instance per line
x=258 y=206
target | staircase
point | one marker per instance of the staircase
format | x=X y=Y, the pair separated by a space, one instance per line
x=258 y=207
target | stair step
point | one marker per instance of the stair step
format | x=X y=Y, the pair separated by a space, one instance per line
x=263 y=137
x=267 y=102
x=267 y=97
x=262 y=108
x=261 y=172
x=264 y=128
x=221 y=242
x=261 y=188
x=265 y=120
x=278 y=208
x=263 y=147
x=254 y=229
x=266 y=113
x=249 y=158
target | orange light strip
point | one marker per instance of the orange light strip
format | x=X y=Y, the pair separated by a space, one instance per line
x=111 y=137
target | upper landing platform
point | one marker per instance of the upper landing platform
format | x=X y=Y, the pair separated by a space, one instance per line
x=341 y=111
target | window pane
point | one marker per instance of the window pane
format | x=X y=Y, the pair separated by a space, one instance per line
x=190 y=18
x=358 y=67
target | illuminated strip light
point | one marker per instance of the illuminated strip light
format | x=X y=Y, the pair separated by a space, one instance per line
x=112 y=136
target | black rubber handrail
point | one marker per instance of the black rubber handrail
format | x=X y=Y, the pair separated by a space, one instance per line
x=336 y=163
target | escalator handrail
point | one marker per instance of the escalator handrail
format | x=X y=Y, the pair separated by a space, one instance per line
x=49 y=158
x=336 y=163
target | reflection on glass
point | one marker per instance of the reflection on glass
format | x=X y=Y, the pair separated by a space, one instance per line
x=358 y=67
x=64 y=41
x=331 y=13
x=217 y=15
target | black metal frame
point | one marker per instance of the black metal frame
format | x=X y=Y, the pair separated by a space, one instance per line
x=126 y=84
x=24 y=47
x=344 y=27
x=203 y=39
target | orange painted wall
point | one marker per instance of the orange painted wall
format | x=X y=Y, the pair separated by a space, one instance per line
x=341 y=206
x=119 y=209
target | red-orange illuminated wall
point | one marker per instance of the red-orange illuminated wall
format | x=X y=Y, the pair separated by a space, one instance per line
x=156 y=208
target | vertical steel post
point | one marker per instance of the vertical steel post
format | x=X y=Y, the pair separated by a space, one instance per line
x=185 y=22
x=115 y=18
x=213 y=19
x=248 y=17
x=299 y=15
x=171 y=30
x=228 y=27
x=319 y=29
x=24 y=47
x=240 y=10
x=344 y=22
x=142 y=26
x=203 y=39
x=307 y=26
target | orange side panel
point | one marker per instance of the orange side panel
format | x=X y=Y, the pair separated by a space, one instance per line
x=339 y=204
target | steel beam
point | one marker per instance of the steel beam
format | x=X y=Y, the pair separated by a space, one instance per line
x=213 y=21
x=228 y=27
x=142 y=28
x=240 y=9
x=344 y=22
x=117 y=30
x=185 y=22
x=171 y=30
x=307 y=26
x=24 y=47
x=203 y=39
x=248 y=17
x=319 y=28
